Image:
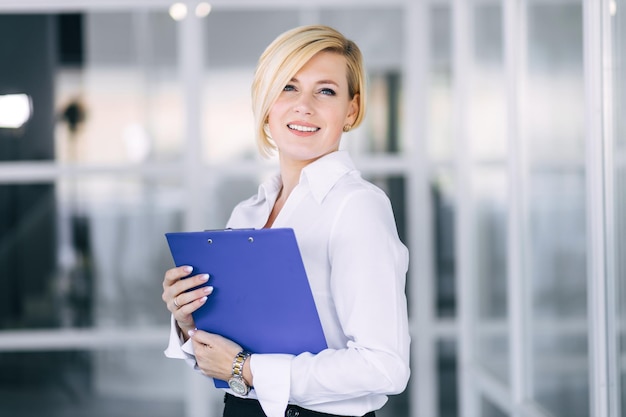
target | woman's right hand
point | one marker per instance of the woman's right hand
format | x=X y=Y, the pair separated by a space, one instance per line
x=181 y=302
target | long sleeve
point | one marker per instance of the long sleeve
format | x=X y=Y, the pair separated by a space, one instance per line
x=368 y=267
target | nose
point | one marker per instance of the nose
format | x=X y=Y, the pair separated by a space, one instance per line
x=303 y=104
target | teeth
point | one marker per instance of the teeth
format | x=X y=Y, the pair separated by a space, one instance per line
x=303 y=128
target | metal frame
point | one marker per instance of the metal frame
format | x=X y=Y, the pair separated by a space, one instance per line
x=603 y=340
x=514 y=62
x=423 y=387
x=462 y=26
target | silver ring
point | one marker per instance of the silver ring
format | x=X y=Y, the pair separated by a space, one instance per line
x=175 y=303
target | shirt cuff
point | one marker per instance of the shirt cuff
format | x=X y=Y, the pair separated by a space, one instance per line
x=177 y=348
x=272 y=380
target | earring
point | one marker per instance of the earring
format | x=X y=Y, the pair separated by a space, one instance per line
x=347 y=128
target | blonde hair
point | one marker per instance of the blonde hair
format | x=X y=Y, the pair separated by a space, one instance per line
x=285 y=56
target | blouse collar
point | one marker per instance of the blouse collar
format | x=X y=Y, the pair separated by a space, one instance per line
x=320 y=176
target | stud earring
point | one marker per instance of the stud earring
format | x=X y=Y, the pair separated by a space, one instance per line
x=347 y=128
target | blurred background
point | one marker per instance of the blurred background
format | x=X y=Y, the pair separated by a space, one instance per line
x=497 y=127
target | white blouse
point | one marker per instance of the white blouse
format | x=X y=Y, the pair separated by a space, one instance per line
x=356 y=266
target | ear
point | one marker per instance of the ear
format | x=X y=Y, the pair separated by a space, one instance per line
x=353 y=110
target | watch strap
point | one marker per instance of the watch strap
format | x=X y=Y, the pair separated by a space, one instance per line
x=238 y=363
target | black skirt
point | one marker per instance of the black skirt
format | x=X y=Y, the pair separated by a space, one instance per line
x=247 y=407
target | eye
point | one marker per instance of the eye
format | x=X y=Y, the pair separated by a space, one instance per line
x=289 y=87
x=328 y=91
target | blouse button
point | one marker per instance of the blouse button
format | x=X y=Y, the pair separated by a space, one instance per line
x=292 y=412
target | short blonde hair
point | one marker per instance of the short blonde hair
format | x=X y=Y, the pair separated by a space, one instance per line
x=285 y=56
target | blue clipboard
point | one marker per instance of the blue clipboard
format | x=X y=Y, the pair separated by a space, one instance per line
x=261 y=295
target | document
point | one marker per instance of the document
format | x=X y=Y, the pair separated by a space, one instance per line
x=261 y=295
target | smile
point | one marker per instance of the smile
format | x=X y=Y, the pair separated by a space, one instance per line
x=303 y=128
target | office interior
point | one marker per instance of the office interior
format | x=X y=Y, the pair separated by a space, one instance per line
x=497 y=128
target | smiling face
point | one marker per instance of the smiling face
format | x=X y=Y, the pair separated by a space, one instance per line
x=307 y=119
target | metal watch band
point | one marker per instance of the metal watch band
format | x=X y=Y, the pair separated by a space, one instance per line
x=238 y=363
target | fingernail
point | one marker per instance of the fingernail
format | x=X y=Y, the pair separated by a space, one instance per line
x=204 y=277
x=187 y=269
x=208 y=290
x=191 y=332
x=203 y=299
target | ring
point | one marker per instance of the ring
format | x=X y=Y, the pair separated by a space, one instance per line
x=176 y=303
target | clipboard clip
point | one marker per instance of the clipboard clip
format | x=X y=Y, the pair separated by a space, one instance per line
x=229 y=229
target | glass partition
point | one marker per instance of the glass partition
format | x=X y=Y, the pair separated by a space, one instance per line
x=86 y=253
x=103 y=87
x=487 y=96
x=439 y=94
x=487 y=121
x=118 y=95
x=490 y=223
x=443 y=188
x=556 y=255
x=489 y=409
x=447 y=378
x=95 y=382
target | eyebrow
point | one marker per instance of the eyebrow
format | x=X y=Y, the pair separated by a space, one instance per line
x=294 y=79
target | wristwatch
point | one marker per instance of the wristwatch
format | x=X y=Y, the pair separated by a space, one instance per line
x=236 y=381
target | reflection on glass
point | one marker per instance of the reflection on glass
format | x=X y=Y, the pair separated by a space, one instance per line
x=443 y=201
x=487 y=124
x=121 y=251
x=380 y=131
x=492 y=347
x=555 y=88
x=124 y=383
x=447 y=367
x=440 y=140
x=489 y=409
x=558 y=285
x=395 y=188
x=85 y=253
x=27 y=256
x=118 y=97
x=556 y=255
x=26 y=72
x=487 y=99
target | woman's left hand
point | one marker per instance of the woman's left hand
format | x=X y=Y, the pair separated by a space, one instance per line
x=214 y=354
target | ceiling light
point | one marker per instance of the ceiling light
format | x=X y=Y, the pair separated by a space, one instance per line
x=203 y=9
x=15 y=110
x=178 y=11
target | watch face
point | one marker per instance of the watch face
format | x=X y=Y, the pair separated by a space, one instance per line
x=238 y=385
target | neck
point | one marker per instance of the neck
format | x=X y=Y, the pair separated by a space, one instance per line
x=290 y=176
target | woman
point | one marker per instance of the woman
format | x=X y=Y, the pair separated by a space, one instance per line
x=308 y=89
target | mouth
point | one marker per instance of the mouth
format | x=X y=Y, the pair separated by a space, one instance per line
x=304 y=129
